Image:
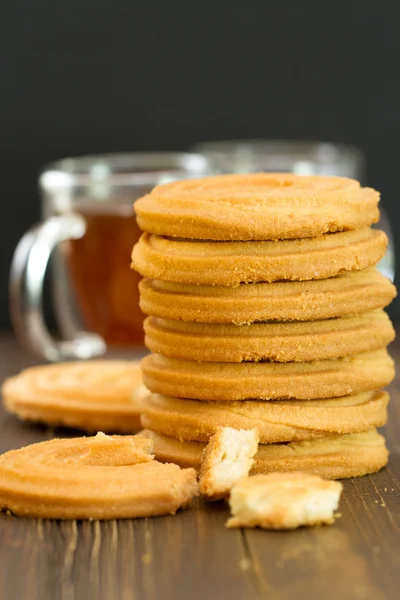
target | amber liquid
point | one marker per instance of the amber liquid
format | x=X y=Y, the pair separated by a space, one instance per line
x=104 y=286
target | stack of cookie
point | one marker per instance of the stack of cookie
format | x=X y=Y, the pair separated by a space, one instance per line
x=265 y=311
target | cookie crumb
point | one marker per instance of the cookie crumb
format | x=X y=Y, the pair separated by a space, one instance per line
x=245 y=564
x=146 y=559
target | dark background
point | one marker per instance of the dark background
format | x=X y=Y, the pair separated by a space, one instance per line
x=91 y=76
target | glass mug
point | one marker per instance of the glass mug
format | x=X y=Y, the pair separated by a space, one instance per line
x=88 y=231
x=301 y=157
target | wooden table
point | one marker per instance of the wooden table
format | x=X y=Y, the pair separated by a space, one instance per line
x=192 y=555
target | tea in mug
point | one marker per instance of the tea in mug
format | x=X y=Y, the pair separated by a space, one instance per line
x=105 y=288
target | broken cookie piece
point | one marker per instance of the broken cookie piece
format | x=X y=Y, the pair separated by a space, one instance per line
x=283 y=501
x=227 y=458
x=101 y=477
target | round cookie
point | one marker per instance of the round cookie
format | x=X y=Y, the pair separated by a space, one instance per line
x=288 y=341
x=351 y=293
x=231 y=263
x=260 y=206
x=279 y=421
x=88 y=395
x=267 y=381
x=92 y=478
x=331 y=457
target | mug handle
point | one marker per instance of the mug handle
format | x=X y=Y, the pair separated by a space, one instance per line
x=27 y=273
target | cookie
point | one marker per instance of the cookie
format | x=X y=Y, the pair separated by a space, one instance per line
x=88 y=395
x=227 y=457
x=261 y=206
x=267 y=381
x=104 y=477
x=231 y=263
x=278 y=421
x=288 y=341
x=347 y=294
x=283 y=501
x=333 y=457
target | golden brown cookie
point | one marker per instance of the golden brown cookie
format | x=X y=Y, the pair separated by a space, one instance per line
x=260 y=206
x=265 y=380
x=282 y=342
x=347 y=294
x=278 y=421
x=231 y=263
x=88 y=395
x=333 y=457
x=104 y=477
x=227 y=457
x=283 y=501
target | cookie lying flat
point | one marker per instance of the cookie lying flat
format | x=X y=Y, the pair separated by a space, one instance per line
x=90 y=395
x=104 y=477
x=277 y=421
x=331 y=457
x=265 y=380
x=231 y=263
x=347 y=294
x=260 y=206
x=289 y=341
x=227 y=457
x=283 y=501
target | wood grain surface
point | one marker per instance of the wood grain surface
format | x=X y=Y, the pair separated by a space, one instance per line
x=192 y=555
